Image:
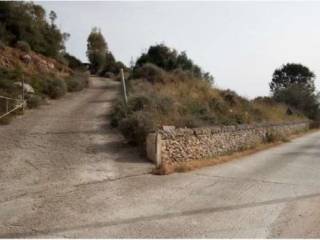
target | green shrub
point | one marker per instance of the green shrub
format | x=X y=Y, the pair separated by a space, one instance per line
x=273 y=136
x=77 y=82
x=118 y=113
x=38 y=84
x=217 y=105
x=7 y=82
x=189 y=121
x=74 y=85
x=2 y=45
x=108 y=75
x=138 y=103
x=196 y=108
x=34 y=101
x=55 y=88
x=61 y=58
x=170 y=60
x=23 y=46
x=162 y=104
x=136 y=126
x=73 y=62
x=150 y=72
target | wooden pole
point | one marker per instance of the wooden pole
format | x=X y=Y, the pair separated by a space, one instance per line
x=124 y=89
x=22 y=93
x=7 y=105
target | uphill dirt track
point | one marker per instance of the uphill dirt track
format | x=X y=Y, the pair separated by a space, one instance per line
x=65 y=144
x=65 y=173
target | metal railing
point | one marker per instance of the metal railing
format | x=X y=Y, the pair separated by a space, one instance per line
x=11 y=105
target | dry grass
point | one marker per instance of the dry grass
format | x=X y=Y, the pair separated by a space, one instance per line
x=11 y=59
x=166 y=169
x=181 y=100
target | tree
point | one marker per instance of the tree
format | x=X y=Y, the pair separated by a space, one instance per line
x=169 y=60
x=25 y=21
x=159 y=55
x=52 y=16
x=292 y=74
x=96 y=50
x=293 y=84
x=73 y=62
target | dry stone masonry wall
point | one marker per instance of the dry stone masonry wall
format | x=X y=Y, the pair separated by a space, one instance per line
x=174 y=146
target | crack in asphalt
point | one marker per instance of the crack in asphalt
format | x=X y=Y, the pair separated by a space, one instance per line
x=252 y=180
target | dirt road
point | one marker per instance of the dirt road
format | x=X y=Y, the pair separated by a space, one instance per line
x=64 y=174
x=65 y=144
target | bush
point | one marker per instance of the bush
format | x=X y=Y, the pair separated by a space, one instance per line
x=217 y=105
x=189 y=121
x=2 y=45
x=55 y=88
x=73 y=62
x=23 y=46
x=34 y=101
x=38 y=84
x=150 y=72
x=108 y=75
x=163 y=105
x=136 y=126
x=61 y=58
x=273 y=136
x=77 y=82
x=315 y=125
x=118 y=113
x=142 y=115
x=138 y=103
x=169 y=60
x=7 y=82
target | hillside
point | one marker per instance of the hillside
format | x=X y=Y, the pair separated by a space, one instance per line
x=31 y=63
x=44 y=78
x=174 y=95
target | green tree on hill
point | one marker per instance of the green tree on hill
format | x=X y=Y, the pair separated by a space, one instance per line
x=293 y=84
x=96 y=50
x=26 y=21
x=169 y=60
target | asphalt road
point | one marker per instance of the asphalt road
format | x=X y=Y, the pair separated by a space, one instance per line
x=64 y=174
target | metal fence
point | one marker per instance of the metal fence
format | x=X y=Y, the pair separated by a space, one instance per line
x=9 y=105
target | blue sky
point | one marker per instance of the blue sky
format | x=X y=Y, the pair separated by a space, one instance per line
x=240 y=43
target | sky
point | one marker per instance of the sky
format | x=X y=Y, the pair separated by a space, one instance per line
x=239 y=43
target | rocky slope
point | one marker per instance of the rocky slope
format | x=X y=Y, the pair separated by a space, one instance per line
x=31 y=63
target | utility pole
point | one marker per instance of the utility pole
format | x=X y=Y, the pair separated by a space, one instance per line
x=124 y=89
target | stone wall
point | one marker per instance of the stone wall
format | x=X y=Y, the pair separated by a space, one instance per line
x=173 y=146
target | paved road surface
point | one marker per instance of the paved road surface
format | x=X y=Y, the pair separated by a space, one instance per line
x=64 y=174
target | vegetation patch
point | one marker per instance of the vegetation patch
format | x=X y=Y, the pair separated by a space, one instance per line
x=178 y=97
x=274 y=136
x=23 y=46
x=77 y=82
x=34 y=101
